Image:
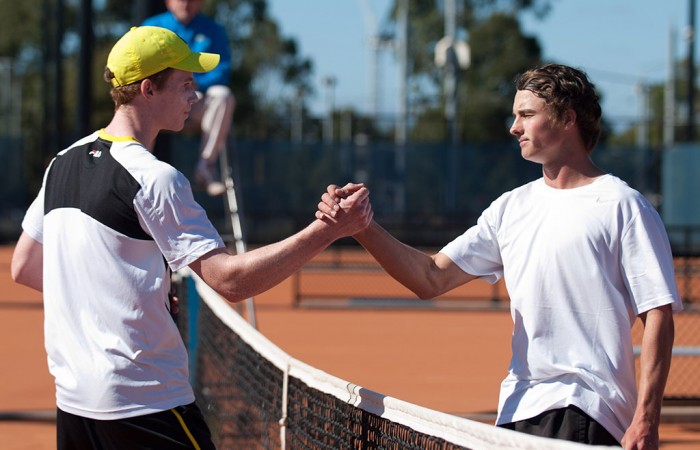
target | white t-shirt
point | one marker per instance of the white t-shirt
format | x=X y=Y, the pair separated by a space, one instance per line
x=113 y=221
x=579 y=265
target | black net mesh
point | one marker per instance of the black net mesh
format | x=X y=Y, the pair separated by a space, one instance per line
x=242 y=395
x=321 y=421
x=237 y=389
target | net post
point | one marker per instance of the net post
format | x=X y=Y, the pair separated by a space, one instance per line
x=285 y=403
x=231 y=204
x=296 y=287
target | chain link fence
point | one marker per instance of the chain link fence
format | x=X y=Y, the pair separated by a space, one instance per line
x=424 y=194
x=349 y=278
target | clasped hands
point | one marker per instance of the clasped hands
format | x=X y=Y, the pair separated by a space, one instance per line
x=348 y=204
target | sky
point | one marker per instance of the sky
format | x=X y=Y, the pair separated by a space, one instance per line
x=621 y=44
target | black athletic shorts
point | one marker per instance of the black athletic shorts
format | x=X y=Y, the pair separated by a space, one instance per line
x=178 y=428
x=569 y=424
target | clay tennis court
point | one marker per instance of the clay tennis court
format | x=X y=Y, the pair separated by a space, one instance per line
x=449 y=359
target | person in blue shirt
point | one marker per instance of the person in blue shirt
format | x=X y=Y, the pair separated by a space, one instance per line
x=213 y=114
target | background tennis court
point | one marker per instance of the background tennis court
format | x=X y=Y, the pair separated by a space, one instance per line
x=449 y=360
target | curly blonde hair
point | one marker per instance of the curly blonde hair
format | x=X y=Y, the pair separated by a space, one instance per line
x=562 y=88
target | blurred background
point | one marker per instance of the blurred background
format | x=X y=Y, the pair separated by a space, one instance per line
x=412 y=97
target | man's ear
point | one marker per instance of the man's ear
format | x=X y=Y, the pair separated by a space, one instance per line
x=147 y=88
x=569 y=118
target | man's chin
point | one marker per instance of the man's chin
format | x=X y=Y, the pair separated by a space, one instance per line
x=175 y=129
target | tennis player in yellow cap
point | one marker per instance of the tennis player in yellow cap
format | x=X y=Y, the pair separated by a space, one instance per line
x=108 y=225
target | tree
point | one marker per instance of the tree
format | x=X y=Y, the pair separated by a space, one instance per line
x=20 y=33
x=656 y=97
x=499 y=51
x=267 y=66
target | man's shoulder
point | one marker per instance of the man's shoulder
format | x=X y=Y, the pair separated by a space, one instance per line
x=206 y=23
x=526 y=189
x=614 y=189
x=80 y=142
x=517 y=198
x=619 y=187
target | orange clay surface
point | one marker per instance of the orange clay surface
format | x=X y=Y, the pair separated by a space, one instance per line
x=444 y=359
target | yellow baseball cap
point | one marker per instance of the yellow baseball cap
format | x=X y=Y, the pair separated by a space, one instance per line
x=144 y=51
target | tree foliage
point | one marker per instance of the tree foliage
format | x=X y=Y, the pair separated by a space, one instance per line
x=655 y=96
x=267 y=66
x=259 y=48
x=269 y=71
x=499 y=51
x=20 y=30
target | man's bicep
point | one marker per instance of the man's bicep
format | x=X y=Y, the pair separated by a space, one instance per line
x=451 y=275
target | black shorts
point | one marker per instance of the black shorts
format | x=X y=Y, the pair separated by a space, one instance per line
x=570 y=424
x=177 y=428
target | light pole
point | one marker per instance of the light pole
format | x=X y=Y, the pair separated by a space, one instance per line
x=690 y=125
x=644 y=113
x=329 y=82
x=298 y=116
x=400 y=135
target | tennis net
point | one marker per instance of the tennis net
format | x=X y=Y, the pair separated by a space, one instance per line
x=255 y=396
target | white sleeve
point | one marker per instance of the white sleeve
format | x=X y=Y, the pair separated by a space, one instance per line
x=647 y=262
x=178 y=224
x=33 y=222
x=476 y=251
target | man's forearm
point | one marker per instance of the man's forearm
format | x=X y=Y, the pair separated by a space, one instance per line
x=655 y=363
x=411 y=267
x=241 y=276
x=655 y=359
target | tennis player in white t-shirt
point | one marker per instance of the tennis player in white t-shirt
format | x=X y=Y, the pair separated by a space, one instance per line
x=100 y=240
x=582 y=255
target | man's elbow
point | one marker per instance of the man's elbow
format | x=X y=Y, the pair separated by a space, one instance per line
x=229 y=290
x=232 y=295
x=427 y=292
x=18 y=272
x=16 y=275
x=21 y=274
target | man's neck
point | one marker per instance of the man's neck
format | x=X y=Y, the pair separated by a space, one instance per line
x=127 y=123
x=571 y=176
x=185 y=20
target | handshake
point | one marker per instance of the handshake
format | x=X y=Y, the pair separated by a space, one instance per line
x=347 y=209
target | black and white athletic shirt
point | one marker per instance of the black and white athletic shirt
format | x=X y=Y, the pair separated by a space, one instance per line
x=112 y=218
